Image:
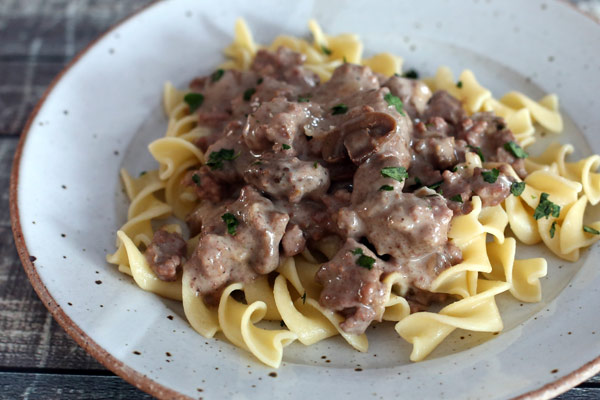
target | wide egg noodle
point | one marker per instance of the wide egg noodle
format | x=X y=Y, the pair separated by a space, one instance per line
x=238 y=321
x=171 y=152
x=522 y=275
x=426 y=330
x=573 y=236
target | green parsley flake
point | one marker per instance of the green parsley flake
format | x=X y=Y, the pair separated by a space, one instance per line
x=345 y=61
x=490 y=176
x=436 y=185
x=387 y=188
x=304 y=298
x=143 y=173
x=517 y=188
x=303 y=99
x=418 y=181
x=216 y=158
x=231 y=222
x=546 y=208
x=478 y=151
x=395 y=102
x=316 y=165
x=396 y=173
x=259 y=81
x=515 y=149
x=196 y=179
x=457 y=198
x=357 y=251
x=326 y=50
x=286 y=146
x=218 y=74
x=365 y=262
x=459 y=84
x=339 y=109
x=411 y=74
x=193 y=100
x=591 y=230
x=552 y=230
x=248 y=94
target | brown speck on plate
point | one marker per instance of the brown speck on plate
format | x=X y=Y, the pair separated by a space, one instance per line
x=358 y=369
x=69 y=303
x=273 y=374
x=116 y=152
x=63 y=235
x=168 y=354
x=555 y=370
x=98 y=282
x=63 y=186
x=170 y=317
x=200 y=390
x=137 y=353
x=32 y=258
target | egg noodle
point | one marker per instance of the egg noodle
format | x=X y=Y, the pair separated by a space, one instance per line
x=489 y=266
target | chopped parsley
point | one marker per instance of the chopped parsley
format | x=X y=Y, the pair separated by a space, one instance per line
x=517 y=188
x=418 y=181
x=396 y=173
x=304 y=298
x=339 y=109
x=395 y=102
x=500 y=126
x=490 y=176
x=591 y=230
x=553 y=230
x=196 y=179
x=231 y=222
x=457 y=198
x=143 y=173
x=459 y=84
x=216 y=158
x=515 y=149
x=248 y=94
x=478 y=151
x=326 y=50
x=345 y=61
x=436 y=185
x=286 y=146
x=363 y=261
x=218 y=74
x=193 y=100
x=411 y=74
x=259 y=81
x=387 y=188
x=546 y=208
x=303 y=99
x=316 y=165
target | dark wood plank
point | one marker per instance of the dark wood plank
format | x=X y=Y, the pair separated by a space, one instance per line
x=32 y=386
x=581 y=393
x=37 y=39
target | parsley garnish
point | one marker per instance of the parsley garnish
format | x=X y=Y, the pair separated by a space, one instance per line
x=218 y=74
x=411 y=74
x=339 y=109
x=591 y=230
x=546 y=208
x=363 y=261
x=193 y=100
x=436 y=185
x=143 y=173
x=304 y=298
x=345 y=61
x=231 y=222
x=282 y=324
x=325 y=50
x=478 y=151
x=286 y=146
x=196 y=179
x=418 y=181
x=396 y=102
x=248 y=94
x=515 y=149
x=517 y=188
x=500 y=126
x=457 y=198
x=216 y=158
x=259 y=81
x=490 y=176
x=552 y=230
x=303 y=99
x=387 y=188
x=397 y=173
x=459 y=84
x=316 y=165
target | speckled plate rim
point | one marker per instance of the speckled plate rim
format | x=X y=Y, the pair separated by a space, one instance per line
x=130 y=375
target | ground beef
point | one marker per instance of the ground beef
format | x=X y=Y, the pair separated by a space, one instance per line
x=165 y=254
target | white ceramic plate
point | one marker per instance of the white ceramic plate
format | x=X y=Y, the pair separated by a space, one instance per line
x=100 y=114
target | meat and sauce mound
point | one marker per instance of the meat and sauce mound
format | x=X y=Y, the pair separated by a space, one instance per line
x=377 y=162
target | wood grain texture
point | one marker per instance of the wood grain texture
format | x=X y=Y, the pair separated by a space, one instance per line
x=43 y=386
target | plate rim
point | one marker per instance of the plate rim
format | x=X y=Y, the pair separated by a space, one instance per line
x=99 y=353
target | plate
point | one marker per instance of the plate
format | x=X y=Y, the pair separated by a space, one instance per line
x=102 y=111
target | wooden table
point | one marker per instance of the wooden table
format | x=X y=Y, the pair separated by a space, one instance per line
x=38 y=360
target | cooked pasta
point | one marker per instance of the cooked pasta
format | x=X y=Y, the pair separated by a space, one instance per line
x=547 y=204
